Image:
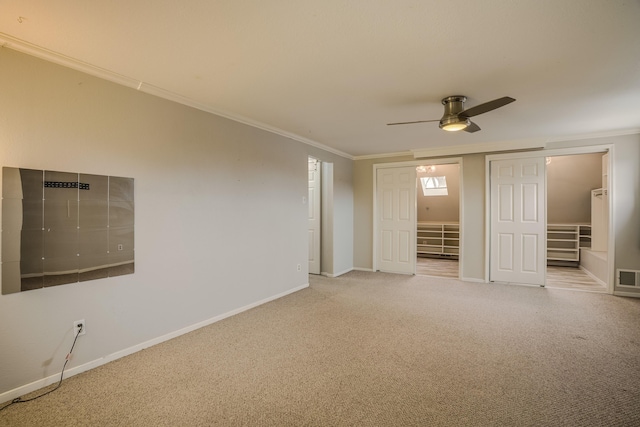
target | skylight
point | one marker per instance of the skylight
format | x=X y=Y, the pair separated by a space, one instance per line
x=434 y=185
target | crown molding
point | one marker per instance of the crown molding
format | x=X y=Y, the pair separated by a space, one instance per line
x=13 y=43
x=171 y=96
x=383 y=155
x=608 y=134
x=488 y=147
x=57 y=58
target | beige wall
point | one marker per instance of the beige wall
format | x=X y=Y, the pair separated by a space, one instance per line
x=220 y=221
x=473 y=223
x=363 y=209
x=440 y=208
x=570 y=180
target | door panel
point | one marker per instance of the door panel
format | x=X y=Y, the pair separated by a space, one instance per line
x=405 y=204
x=505 y=252
x=529 y=208
x=506 y=202
x=518 y=221
x=404 y=237
x=530 y=251
x=396 y=228
x=386 y=255
x=387 y=205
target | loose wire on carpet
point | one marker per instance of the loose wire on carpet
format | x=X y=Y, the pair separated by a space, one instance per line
x=21 y=400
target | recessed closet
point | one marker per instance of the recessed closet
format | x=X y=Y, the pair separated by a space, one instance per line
x=577 y=221
x=438 y=213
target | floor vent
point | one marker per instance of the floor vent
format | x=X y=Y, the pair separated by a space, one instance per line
x=628 y=278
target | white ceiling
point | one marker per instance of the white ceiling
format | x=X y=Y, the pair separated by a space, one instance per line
x=334 y=72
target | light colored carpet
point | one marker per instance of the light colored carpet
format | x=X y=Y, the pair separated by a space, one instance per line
x=375 y=349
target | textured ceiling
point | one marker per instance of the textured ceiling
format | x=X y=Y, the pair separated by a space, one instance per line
x=334 y=72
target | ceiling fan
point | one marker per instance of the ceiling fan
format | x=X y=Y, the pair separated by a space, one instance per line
x=457 y=118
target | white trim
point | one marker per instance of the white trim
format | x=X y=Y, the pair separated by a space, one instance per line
x=472 y=279
x=593 y=276
x=383 y=156
x=327 y=240
x=611 y=244
x=336 y=274
x=370 y=270
x=608 y=134
x=165 y=94
x=75 y=64
x=461 y=215
x=66 y=61
x=478 y=148
x=36 y=385
x=587 y=149
x=487 y=219
x=443 y=161
x=626 y=294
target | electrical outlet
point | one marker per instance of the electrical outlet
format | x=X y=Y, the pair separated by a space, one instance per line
x=76 y=327
x=299 y=267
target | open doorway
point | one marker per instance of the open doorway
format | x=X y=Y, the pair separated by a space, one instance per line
x=577 y=221
x=438 y=220
x=518 y=199
x=397 y=239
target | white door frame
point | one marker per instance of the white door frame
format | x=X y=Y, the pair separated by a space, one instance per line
x=315 y=218
x=550 y=153
x=418 y=162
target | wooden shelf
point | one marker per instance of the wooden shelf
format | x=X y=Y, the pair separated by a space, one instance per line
x=440 y=240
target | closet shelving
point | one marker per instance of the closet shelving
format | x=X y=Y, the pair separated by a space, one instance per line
x=438 y=240
x=564 y=242
x=585 y=235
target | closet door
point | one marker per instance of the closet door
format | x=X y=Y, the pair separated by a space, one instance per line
x=396 y=215
x=518 y=238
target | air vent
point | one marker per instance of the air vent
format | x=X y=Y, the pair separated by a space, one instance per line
x=628 y=278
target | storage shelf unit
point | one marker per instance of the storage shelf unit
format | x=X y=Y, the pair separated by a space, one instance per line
x=440 y=240
x=585 y=236
x=564 y=242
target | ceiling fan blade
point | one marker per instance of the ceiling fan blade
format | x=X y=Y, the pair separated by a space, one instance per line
x=472 y=128
x=410 y=123
x=486 y=107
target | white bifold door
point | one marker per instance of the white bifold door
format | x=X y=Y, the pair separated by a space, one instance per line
x=518 y=229
x=396 y=219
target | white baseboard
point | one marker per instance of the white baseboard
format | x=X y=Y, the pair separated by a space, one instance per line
x=627 y=294
x=363 y=269
x=36 y=385
x=593 y=276
x=472 y=279
x=336 y=274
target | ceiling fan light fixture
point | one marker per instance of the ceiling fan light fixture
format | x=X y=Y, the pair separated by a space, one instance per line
x=456 y=117
x=453 y=126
